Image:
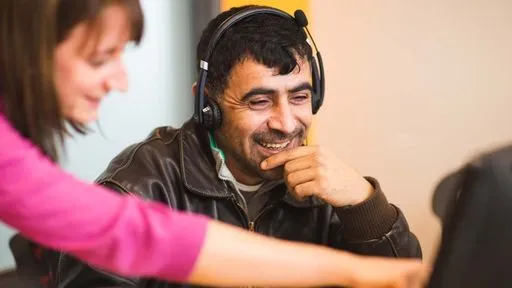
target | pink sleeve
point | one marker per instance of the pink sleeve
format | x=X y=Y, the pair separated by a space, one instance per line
x=118 y=233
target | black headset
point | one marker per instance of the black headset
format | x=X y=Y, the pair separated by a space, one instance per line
x=206 y=112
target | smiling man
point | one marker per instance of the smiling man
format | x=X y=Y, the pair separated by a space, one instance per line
x=253 y=170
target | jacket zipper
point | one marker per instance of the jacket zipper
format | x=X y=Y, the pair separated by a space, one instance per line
x=242 y=206
x=252 y=224
x=243 y=212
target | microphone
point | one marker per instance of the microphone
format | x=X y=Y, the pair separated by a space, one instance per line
x=300 y=17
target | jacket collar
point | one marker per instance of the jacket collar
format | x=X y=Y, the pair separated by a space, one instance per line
x=200 y=173
x=197 y=162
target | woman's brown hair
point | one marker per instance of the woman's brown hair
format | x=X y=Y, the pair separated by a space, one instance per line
x=29 y=33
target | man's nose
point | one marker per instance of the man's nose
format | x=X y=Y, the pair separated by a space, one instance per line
x=282 y=119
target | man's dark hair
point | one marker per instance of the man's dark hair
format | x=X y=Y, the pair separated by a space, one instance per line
x=271 y=40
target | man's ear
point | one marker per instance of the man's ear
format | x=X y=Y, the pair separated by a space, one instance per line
x=194 y=89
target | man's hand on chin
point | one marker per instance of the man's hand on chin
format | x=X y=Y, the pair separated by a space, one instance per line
x=315 y=171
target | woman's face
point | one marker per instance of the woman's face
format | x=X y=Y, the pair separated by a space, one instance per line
x=88 y=64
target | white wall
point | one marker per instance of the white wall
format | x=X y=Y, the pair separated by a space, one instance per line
x=414 y=88
x=160 y=72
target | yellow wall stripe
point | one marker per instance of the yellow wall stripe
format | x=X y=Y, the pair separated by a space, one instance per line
x=286 y=5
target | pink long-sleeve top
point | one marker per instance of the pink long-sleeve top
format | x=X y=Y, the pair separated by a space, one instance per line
x=122 y=234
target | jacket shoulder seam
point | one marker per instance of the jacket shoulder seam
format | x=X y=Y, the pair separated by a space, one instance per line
x=131 y=156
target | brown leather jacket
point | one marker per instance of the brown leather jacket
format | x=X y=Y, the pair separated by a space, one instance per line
x=176 y=167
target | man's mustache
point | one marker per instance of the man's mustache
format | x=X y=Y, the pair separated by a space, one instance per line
x=279 y=136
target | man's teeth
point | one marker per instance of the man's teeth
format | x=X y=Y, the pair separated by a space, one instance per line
x=275 y=146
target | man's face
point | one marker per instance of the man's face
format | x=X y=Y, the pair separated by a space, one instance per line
x=263 y=113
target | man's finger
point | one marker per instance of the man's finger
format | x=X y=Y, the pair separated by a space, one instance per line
x=299 y=177
x=298 y=164
x=280 y=158
x=305 y=189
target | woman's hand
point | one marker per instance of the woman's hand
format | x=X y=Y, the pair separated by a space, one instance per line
x=382 y=272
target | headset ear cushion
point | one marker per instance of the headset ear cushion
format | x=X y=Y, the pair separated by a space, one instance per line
x=213 y=116
x=315 y=101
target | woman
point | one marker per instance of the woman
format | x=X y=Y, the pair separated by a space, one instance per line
x=58 y=59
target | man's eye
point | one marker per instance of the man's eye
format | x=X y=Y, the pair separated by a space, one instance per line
x=259 y=104
x=299 y=99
